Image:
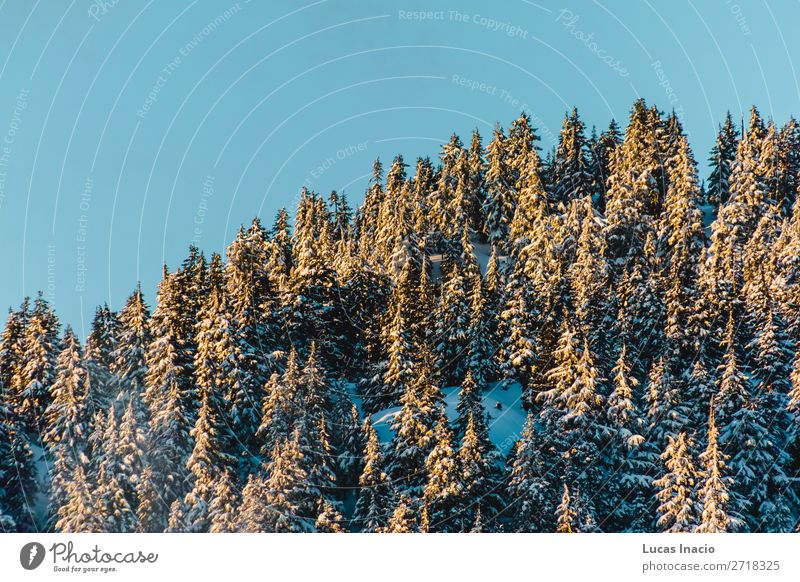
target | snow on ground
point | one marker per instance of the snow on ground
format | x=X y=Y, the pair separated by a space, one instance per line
x=41 y=500
x=483 y=252
x=505 y=423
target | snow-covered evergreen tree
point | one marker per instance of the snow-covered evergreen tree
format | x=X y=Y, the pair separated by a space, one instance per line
x=721 y=161
x=678 y=510
x=565 y=514
x=37 y=365
x=443 y=489
x=713 y=493
x=67 y=419
x=375 y=499
x=570 y=174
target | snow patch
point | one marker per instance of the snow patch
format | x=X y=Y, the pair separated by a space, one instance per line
x=505 y=422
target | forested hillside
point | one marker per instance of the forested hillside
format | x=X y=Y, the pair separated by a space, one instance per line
x=647 y=325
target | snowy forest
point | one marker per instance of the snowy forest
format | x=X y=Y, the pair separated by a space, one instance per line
x=506 y=339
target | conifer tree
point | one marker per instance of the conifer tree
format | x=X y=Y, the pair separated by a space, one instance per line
x=682 y=239
x=348 y=438
x=632 y=459
x=279 y=252
x=571 y=177
x=678 y=509
x=170 y=398
x=310 y=304
x=713 y=493
x=282 y=405
x=480 y=332
x=667 y=412
x=18 y=485
x=565 y=514
x=477 y=192
x=152 y=512
x=67 y=418
x=129 y=356
x=400 y=347
x=281 y=502
x=37 y=365
x=404 y=518
x=78 y=513
x=224 y=506
x=329 y=519
x=500 y=201
x=721 y=161
x=12 y=345
x=208 y=462
x=530 y=481
x=452 y=325
x=443 y=490
x=375 y=498
x=480 y=473
x=414 y=428
x=601 y=153
x=99 y=356
x=632 y=189
x=249 y=293
x=120 y=465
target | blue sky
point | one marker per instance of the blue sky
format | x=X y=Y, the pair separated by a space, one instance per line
x=130 y=129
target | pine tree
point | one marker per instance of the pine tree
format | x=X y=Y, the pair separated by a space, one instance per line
x=480 y=332
x=151 y=512
x=310 y=306
x=632 y=189
x=282 y=405
x=12 y=345
x=38 y=365
x=479 y=463
x=400 y=347
x=249 y=295
x=78 y=513
x=414 y=428
x=224 y=506
x=565 y=514
x=348 y=438
x=667 y=412
x=129 y=366
x=530 y=480
x=678 y=509
x=452 y=325
x=713 y=491
x=281 y=502
x=67 y=418
x=631 y=457
x=18 y=485
x=721 y=161
x=217 y=366
x=477 y=192
x=329 y=519
x=120 y=465
x=208 y=462
x=374 y=504
x=500 y=201
x=601 y=153
x=571 y=176
x=279 y=252
x=682 y=239
x=404 y=518
x=443 y=490
x=99 y=356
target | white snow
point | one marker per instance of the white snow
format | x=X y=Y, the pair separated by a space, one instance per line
x=505 y=423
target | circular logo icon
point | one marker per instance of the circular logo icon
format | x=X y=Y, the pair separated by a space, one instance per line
x=31 y=555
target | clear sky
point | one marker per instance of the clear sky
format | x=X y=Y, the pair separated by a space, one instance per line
x=130 y=129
